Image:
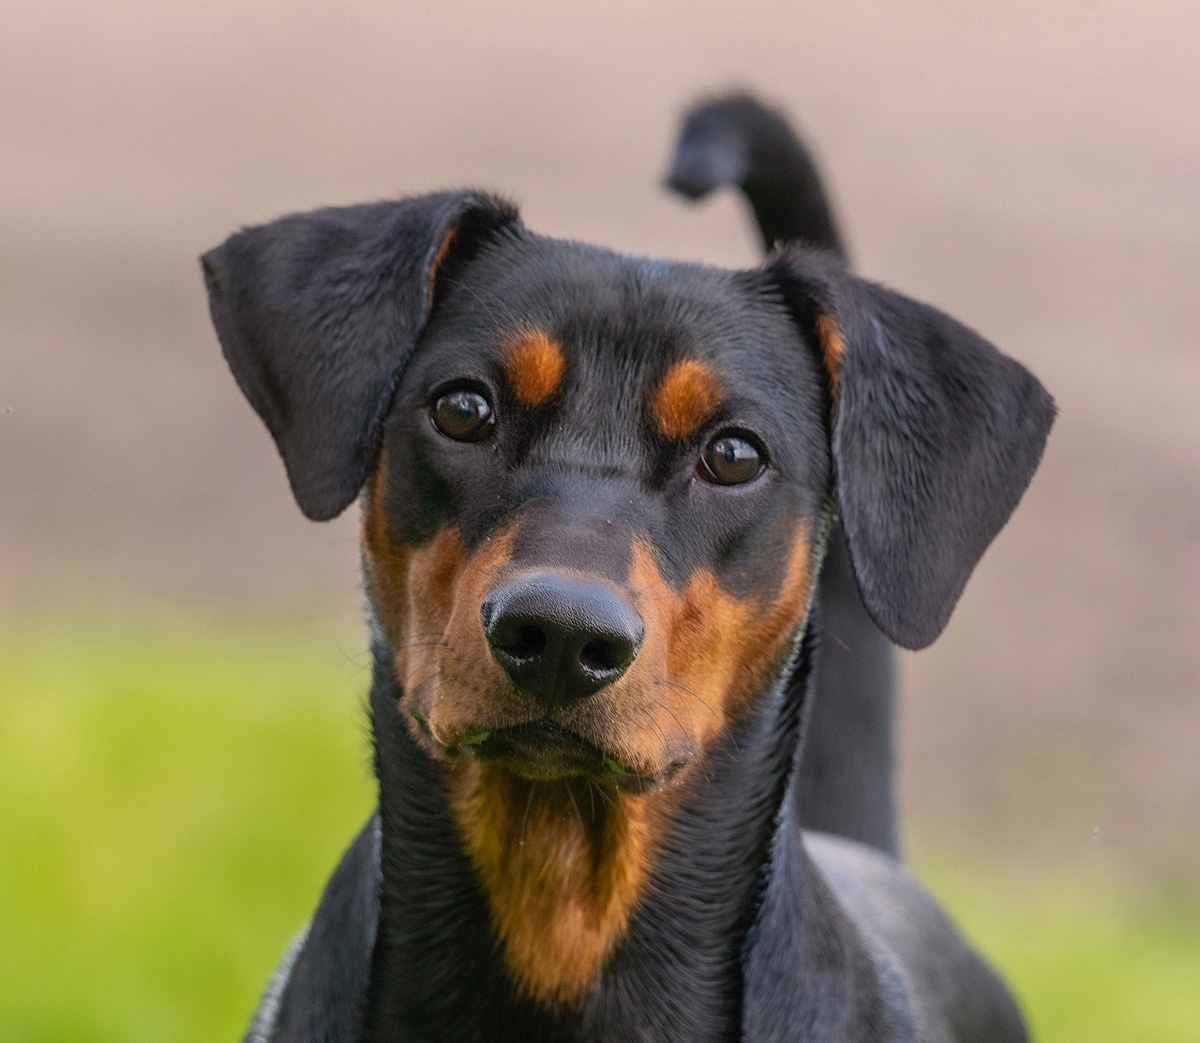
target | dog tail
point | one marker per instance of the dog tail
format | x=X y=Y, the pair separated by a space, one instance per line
x=736 y=140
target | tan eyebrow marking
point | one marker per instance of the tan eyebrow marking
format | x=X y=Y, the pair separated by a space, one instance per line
x=534 y=365
x=686 y=399
x=833 y=348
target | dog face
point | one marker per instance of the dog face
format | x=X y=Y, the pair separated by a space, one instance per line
x=589 y=534
x=594 y=495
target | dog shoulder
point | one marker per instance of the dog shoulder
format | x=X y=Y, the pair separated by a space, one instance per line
x=957 y=997
x=317 y=992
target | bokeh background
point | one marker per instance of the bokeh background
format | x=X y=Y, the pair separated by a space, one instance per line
x=182 y=750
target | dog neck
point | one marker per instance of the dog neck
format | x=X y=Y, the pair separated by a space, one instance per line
x=676 y=972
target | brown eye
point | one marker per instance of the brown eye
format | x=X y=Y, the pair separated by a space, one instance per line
x=464 y=415
x=731 y=459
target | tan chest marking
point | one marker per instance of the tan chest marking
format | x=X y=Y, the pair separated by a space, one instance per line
x=562 y=865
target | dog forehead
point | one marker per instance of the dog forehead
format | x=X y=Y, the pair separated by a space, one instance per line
x=632 y=315
x=622 y=348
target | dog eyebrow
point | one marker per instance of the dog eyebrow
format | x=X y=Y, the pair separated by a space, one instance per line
x=533 y=366
x=686 y=398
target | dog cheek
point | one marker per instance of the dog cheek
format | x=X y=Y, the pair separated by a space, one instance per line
x=764 y=639
x=386 y=562
x=434 y=574
x=708 y=653
x=471 y=689
x=412 y=590
x=704 y=660
x=667 y=709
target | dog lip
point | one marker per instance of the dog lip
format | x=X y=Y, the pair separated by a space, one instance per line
x=545 y=747
x=542 y=750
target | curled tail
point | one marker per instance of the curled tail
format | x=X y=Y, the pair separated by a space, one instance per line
x=846 y=782
x=739 y=142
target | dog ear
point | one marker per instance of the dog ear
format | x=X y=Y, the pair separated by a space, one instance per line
x=317 y=314
x=935 y=437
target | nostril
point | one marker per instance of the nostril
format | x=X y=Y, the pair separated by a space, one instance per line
x=596 y=655
x=523 y=643
x=602 y=656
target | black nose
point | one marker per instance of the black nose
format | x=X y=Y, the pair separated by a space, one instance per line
x=559 y=637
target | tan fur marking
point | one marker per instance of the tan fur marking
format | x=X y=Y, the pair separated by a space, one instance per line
x=686 y=399
x=719 y=649
x=386 y=562
x=533 y=365
x=562 y=867
x=563 y=870
x=427 y=601
x=833 y=349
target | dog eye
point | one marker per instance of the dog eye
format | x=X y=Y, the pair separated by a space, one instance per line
x=731 y=459
x=463 y=414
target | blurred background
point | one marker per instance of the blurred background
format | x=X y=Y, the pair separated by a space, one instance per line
x=182 y=748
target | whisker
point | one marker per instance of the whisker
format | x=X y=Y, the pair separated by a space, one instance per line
x=491 y=314
x=578 y=813
x=353 y=657
x=695 y=695
x=646 y=712
x=657 y=727
x=421 y=639
x=525 y=820
x=663 y=706
x=686 y=689
x=421 y=684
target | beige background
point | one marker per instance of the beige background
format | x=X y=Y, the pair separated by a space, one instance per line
x=1036 y=172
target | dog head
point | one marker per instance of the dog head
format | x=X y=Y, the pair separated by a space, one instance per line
x=595 y=491
x=594 y=486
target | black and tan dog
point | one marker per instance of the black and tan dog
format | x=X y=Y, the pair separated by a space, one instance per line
x=596 y=494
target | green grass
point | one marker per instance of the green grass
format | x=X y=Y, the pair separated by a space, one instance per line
x=171 y=799
x=1091 y=955
x=173 y=795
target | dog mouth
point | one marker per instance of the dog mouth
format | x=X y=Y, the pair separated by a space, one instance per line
x=541 y=751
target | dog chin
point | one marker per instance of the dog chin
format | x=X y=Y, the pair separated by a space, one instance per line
x=542 y=751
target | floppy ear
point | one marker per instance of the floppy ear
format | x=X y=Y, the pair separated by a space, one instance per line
x=935 y=436
x=317 y=314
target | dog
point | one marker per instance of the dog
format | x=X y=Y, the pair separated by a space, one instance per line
x=845 y=783
x=597 y=492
